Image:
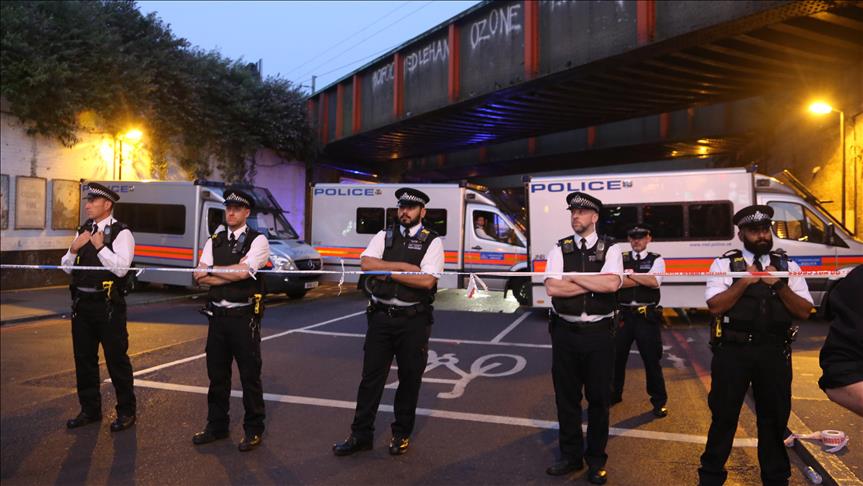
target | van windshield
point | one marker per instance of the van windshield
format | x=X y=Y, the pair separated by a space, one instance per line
x=272 y=224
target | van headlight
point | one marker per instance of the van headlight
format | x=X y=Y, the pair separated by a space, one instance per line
x=282 y=262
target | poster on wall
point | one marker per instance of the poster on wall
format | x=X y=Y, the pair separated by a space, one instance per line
x=4 y=201
x=65 y=204
x=30 y=202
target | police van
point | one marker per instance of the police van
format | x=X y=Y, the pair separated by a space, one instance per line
x=691 y=214
x=477 y=235
x=171 y=222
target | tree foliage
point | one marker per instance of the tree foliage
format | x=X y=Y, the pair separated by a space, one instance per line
x=60 y=59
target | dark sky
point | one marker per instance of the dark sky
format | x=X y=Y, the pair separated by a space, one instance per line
x=299 y=39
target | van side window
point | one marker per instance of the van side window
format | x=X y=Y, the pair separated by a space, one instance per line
x=666 y=220
x=615 y=220
x=152 y=218
x=215 y=218
x=792 y=221
x=710 y=221
x=435 y=219
x=370 y=220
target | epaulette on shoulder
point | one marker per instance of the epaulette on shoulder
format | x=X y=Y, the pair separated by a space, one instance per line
x=732 y=254
x=567 y=245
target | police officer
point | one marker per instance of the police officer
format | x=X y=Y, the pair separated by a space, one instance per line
x=582 y=339
x=234 y=308
x=751 y=338
x=399 y=321
x=99 y=308
x=640 y=318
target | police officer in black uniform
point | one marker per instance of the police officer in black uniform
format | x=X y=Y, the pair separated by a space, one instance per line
x=582 y=336
x=234 y=308
x=99 y=308
x=399 y=321
x=751 y=341
x=640 y=318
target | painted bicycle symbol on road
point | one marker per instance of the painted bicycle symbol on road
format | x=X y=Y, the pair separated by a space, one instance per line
x=488 y=366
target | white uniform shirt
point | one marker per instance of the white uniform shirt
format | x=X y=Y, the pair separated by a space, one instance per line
x=657 y=267
x=432 y=262
x=613 y=264
x=256 y=258
x=480 y=232
x=717 y=285
x=118 y=260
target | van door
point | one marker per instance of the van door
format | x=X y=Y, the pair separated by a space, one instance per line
x=212 y=220
x=799 y=231
x=491 y=243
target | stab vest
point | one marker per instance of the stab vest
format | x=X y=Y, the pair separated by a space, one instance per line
x=640 y=293
x=590 y=260
x=88 y=257
x=759 y=309
x=409 y=250
x=223 y=255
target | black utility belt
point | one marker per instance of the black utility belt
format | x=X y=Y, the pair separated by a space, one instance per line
x=215 y=311
x=743 y=337
x=605 y=324
x=398 y=310
x=642 y=309
x=97 y=295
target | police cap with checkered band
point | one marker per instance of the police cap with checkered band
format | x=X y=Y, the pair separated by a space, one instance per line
x=755 y=215
x=411 y=197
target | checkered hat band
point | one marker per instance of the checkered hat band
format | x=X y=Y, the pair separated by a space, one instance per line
x=95 y=191
x=580 y=202
x=756 y=217
x=411 y=198
x=235 y=198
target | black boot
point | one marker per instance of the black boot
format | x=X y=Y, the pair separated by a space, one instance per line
x=350 y=445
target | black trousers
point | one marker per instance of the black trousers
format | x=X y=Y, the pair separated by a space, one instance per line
x=582 y=361
x=234 y=338
x=767 y=368
x=92 y=325
x=406 y=338
x=647 y=333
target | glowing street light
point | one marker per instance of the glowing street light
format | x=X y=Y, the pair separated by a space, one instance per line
x=133 y=135
x=823 y=108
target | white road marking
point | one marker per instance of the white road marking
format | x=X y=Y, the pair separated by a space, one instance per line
x=434 y=340
x=448 y=414
x=510 y=327
x=267 y=338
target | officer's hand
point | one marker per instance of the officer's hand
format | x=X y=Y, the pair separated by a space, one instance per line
x=199 y=273
x=770 y=280
x=98 y=239
x=751 y=280
x=80 y=241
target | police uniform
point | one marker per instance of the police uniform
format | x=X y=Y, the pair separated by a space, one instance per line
x=234 y=310
x=640 y=321
x=99 y=316
x=583 y=345
x=399 y=324
x=841 y=358
x=751 y=347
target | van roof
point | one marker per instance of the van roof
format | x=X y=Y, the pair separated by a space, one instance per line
x=733 y=170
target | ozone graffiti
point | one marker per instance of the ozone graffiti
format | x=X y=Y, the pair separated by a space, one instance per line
x=500 y=21
x=484 y=366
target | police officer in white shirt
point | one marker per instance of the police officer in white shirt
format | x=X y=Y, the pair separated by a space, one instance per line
x=99 y=308
x=751 y=341
x=582 y=336
x=235 y=308
x=641 y=318
x=399 y=321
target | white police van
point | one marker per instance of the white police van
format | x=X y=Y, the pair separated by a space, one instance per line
x=346 y=216
x=172 y=221
x=691 y=214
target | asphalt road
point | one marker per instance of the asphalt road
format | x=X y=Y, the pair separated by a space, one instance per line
x=486 y=415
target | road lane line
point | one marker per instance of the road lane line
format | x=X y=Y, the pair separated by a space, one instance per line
x=448 y=414
x=512 y=326
x=267 y=338
x=434 y=340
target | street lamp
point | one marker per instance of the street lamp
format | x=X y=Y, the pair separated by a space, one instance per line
x=134 y=135
x=822 y=108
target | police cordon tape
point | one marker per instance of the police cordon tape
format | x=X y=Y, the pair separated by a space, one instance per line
x=833 y=440
x=705 y=275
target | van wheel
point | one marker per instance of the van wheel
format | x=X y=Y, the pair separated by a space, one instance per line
x=521 y=289
x=296 y=294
